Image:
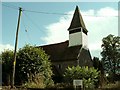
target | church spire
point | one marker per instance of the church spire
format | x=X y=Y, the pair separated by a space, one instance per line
x=77 y=21
x=77 y=30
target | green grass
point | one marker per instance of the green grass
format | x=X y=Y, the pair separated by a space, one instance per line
x=112 y=85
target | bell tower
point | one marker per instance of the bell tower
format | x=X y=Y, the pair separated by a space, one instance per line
x=77 y=30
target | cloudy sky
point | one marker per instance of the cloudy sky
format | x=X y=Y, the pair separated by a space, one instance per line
x=48 y=23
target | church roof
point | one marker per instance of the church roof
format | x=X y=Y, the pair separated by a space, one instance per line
x=77 y=20
x=61 y=51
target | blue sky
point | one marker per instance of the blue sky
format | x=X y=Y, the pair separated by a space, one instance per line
x=40 y=29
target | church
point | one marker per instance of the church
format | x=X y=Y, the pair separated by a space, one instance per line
x=72 y=52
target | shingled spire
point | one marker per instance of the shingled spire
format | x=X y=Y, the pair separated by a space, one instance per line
x=77 y=21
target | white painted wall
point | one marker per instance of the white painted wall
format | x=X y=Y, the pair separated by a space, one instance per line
x=75 y=39
x=84 y=40
x=78 y=38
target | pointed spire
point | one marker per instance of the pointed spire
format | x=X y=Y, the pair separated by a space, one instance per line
x=77 y=20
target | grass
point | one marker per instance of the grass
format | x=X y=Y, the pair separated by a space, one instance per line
x=111 y=86
x=62 y=86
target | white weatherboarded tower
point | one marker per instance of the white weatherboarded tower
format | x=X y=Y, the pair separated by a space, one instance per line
x=77 y=30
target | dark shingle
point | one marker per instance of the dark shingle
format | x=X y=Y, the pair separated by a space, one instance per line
x=77 y=20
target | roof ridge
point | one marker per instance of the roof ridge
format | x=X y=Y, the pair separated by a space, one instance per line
x=56 y=43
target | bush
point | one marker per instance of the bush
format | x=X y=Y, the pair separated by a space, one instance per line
x=33 y=62
x=33 y=67
x=35 y=81
x=88 y=75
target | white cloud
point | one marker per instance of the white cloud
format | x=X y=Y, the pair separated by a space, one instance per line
x=6 y=46
x=107 y=11
x=57 y=32
x=99 y=23
x=95 y=46
x=104 y=22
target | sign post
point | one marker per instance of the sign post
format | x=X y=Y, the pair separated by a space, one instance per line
x=78 y=82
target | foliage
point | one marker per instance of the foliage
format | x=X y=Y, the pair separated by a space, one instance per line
x=7 y=58
x=88 y=75
x=115 y=86
x=111 y=54
x=62 y=86
x=98 y=64
x=89 y=83
x=32 y=61
x=35 y=82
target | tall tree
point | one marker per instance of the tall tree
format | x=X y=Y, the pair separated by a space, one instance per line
x=111 y=54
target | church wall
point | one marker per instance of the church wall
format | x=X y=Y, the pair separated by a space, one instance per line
x=61 y=66
x=85 y=58
x=84 y=40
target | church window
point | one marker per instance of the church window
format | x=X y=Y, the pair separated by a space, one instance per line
x=74 y=31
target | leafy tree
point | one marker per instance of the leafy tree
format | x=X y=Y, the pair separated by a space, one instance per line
x=111 y=54
x=88 y=75
x=30 y=62
x=7 y=58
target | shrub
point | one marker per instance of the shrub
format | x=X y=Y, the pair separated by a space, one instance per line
x=32 y=67
x=88 y=75
x=6 y=59
x=35 y=81
x=33 y=62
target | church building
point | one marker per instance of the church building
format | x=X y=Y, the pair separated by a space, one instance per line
x=72 y=52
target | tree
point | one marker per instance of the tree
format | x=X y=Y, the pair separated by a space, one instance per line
x=99 y=66
x=111 y=54
x=7 y=57
x=32 y=61
x=88 y=75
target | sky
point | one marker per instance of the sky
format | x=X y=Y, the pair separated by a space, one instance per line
x=48 y=23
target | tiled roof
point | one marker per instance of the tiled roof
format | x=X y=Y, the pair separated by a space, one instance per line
x=77 y=20
x=61 y=51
